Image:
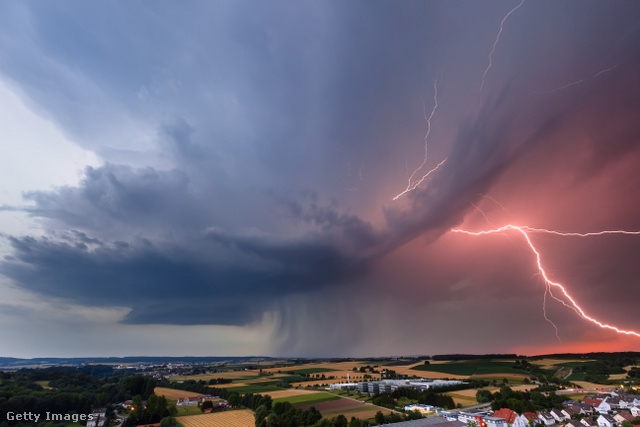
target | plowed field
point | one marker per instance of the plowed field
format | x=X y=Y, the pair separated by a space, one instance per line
x=242 y=418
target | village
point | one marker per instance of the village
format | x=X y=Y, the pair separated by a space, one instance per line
x=616 y=409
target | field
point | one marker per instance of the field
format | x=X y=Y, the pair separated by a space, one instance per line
x=348 y=407
x=307 y=399
x=172 y=394
x=287 y=393
x=553 y=363
x=480 y=368
x=241 y=418
x=252 y=388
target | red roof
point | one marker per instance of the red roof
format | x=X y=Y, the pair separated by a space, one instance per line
x=509 y=415
x=592 y=401
x=531 y=416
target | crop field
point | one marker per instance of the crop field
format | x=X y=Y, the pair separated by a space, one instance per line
x=287 y=393
x=307 y=399
x=253 y=388
x=553 y=363
x=469 y=368
x=326 y=367
x=172 y=394
x=309 y=370
x=463 y=399
x=348 y=407
x=240 y=418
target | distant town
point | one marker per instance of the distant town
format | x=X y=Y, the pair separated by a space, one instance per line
x=569 y=390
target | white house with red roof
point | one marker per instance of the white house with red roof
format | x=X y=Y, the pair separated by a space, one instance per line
x=511 y=417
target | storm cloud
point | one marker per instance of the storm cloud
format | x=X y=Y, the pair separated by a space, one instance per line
x=250 y=157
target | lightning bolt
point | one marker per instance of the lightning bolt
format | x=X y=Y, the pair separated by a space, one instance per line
x=495 y=44
x=544 y=311
x=412 y=185
x=606 y=70
x=569 y=301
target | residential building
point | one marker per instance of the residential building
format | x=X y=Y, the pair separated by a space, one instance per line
x=511 y=417
x=623 y=416
x=606 y=420
x=546 y=418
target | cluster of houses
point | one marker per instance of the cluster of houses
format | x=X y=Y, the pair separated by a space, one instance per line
x=194 y=400
x=222 y=405
x=594 y=411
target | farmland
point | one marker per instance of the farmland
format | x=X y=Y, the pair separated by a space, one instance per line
x=240 y=418
x=287 y=393
x=472 y=368
x=307 y=399
x=348 y=407
x=173 y=394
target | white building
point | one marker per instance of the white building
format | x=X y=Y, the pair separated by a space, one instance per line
x=605 y=420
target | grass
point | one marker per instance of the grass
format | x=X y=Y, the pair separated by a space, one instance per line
x=576 y=377
x=188 y=410
x=403 y=401
x=254 y=388
x=307 y=399
x=475 y=367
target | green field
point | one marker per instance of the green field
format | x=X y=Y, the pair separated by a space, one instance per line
x=576 y=377
x=254 y=388
x=307 y=399
x=578 y=364
x=475 y=367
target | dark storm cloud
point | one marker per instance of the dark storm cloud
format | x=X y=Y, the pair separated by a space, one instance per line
x=267 y=105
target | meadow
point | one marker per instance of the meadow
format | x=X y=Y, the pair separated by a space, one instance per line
x=472 y=368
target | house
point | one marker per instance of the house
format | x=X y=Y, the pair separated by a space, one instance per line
x=573 y=423
x=592 y=401
x=606 y=420
x=546 y=418
x=604 y=407
x=531 y=416
x=511 y=417
x=635 y=411
x=187 y=401
x=588 y=422
x=494 y=421
x=558 y=415
x=623 y=416
x=570 y=411
x=627 y=401
x=614 y=401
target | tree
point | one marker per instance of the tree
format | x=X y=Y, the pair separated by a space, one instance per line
x=355 y=422
x=379 y=418
x=340 y=421
x=261 y=415
x=484 y=396
x=233 y=399
x=168 y=422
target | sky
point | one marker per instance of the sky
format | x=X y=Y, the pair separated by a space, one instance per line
x=283 y=178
